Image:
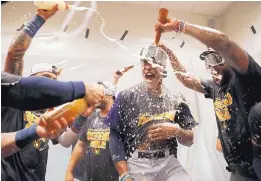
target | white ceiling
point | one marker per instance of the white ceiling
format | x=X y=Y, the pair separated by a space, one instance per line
x=209 y=8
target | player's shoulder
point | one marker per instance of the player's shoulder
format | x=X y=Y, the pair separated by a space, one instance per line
x=91 y=118
x=175 y=97
x=130 y=92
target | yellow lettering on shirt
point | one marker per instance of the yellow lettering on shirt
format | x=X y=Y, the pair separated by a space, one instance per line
x=146 y=117
x=31 y=119
x=98 y=138
x=221 y=107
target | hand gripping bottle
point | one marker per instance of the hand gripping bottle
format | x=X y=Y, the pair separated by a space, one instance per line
x=47 y=5
x=68 y=111
x=163 y=18
x=72 y=109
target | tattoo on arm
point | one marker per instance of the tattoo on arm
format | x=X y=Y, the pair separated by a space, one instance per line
x=14 y=61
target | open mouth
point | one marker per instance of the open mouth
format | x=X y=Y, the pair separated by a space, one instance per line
x=149 y=76
x=217 y=77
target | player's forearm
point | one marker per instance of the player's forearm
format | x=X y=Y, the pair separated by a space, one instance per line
x=67 y=138
x=74 y=161
x=115 y=80
x=186 y=137
x=8 y=146
x=208 y=36
x=122 y=167
x=175 y=63
x=14 y=61
x=77 y=155
x=179 y=69
x=182 y=75
x=234 y=55
x=12 y=142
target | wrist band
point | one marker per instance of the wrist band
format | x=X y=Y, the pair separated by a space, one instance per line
x=182 y=25
x=125 y=177
x=26 y=136
x=32 y=27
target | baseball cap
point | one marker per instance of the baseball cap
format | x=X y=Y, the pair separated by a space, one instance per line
x=44 y=67
x=158 y=55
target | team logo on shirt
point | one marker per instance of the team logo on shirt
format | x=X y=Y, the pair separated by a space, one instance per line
x=147 y=117
x=31 y=119
x=221 y=107
x=98 y=139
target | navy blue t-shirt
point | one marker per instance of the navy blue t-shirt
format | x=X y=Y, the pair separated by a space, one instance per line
x=99 y=165
x=29 y=164
x=232 y=104
x=135 y=110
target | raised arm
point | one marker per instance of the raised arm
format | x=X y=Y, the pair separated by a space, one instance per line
x=119 y=73
x=188 y=80
x=14 y=62
x=234 y=55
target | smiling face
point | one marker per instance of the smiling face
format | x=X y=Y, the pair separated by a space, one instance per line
x=219 y=73
x=216 y=66
x=151 y=76
x=153 y=62
x=107 y=100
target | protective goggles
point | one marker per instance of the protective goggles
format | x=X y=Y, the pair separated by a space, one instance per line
x=212 y=58
x=164 y=71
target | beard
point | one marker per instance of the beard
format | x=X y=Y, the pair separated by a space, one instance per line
x=226 y=77
x=101 y=105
